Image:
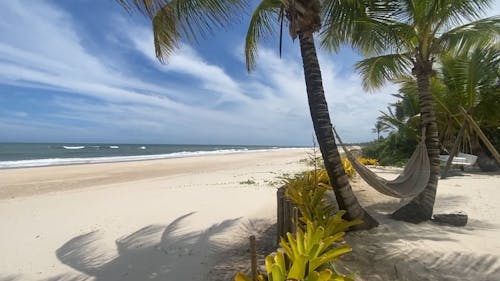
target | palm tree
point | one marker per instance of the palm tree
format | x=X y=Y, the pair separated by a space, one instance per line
x=304 y=19
x=403 y=119
x=407 y=41
x=181 y=19
x=403 y=115
x=379 y=128
x=469 y=80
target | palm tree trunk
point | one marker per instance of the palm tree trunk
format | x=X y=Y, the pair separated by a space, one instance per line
x=420 y=208
x=324 y=134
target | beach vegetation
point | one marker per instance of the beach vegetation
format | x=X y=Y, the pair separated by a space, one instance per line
x=379 y=128
x=402 y=118
x=468 y=80
x=318 y=239
x=313 y=161
x=249 y=182
x=407 y=41
x=304 y=256
x=368 y=161
x=310 y=193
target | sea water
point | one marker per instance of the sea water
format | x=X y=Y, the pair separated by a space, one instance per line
x=17 y=155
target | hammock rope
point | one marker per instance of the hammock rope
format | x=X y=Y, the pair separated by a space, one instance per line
x=411 y=182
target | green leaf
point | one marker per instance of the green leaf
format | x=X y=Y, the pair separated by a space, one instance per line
x=293 y=245
x=325 y=275
x=241 y=277
x=269 y=262
x=262 y=25
x=312 y=276
x=329 y=256
x=286 y=247
x=300 y=242
x=280 y=261
x=298 y=268
x=376 y=71
x=277 y=274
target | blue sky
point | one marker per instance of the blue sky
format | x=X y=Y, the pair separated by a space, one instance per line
x=85 y=71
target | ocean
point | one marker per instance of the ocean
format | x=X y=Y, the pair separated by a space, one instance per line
x=18 y=155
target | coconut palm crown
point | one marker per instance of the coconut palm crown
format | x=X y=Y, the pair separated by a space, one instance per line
x=408 y=40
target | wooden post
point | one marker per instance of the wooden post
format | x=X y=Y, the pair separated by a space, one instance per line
x=286 y=217
x=295 y=219
x=483 y=137
x=453 y=151
x=253 y=253
x=280 y=194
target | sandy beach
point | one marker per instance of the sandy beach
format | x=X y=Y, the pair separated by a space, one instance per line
x=189 y=218
x=151 y=220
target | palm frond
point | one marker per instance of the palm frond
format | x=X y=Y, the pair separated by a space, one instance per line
x=389 y=120
x=481 y=33
x=375 y=71
x=263 y=24
x=453 y=12
x=365 y=25
x=467 y=75
x=148 y=7
x=176 y=20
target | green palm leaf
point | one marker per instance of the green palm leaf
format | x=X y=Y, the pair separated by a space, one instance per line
x=375 y=71
x=262 y=25
x=175 y=20
x=481 y=33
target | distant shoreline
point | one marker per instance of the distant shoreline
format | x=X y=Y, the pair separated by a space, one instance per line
x=21 y=182
x=63 y=155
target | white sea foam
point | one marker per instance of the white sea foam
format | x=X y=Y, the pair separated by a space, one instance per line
x=142 y=147
x=114 y=146
x=70 y=161
x=73 y=147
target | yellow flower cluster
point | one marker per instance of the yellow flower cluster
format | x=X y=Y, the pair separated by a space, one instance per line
x=368 y=161
x=349 y=169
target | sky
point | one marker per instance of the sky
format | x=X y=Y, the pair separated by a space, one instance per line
x=85 y=71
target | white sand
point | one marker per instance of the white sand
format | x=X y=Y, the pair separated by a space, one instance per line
x=167 y=225
x=427 y=251
x=179 y=219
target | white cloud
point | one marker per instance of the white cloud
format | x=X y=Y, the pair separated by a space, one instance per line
x=42 y=49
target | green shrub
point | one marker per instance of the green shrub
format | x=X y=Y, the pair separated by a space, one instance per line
x=307 y=192
x=395 y=150
x=304 y=256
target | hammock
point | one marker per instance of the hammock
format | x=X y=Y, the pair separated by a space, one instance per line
x=409 y=183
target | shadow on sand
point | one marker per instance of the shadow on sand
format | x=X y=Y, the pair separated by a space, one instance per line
x=154 y=252
x=237 y=257
x=403 y=251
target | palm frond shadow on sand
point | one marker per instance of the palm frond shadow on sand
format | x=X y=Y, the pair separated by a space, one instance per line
x=237 y=257
x=401 y=251
x=154 y=252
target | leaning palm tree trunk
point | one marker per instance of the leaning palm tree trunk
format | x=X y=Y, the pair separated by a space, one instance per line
x=421 y=207
x=324 y=134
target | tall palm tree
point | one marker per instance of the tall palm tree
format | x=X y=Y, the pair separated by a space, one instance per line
x=304 y=19
x=175 y=20
x=407 y=41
